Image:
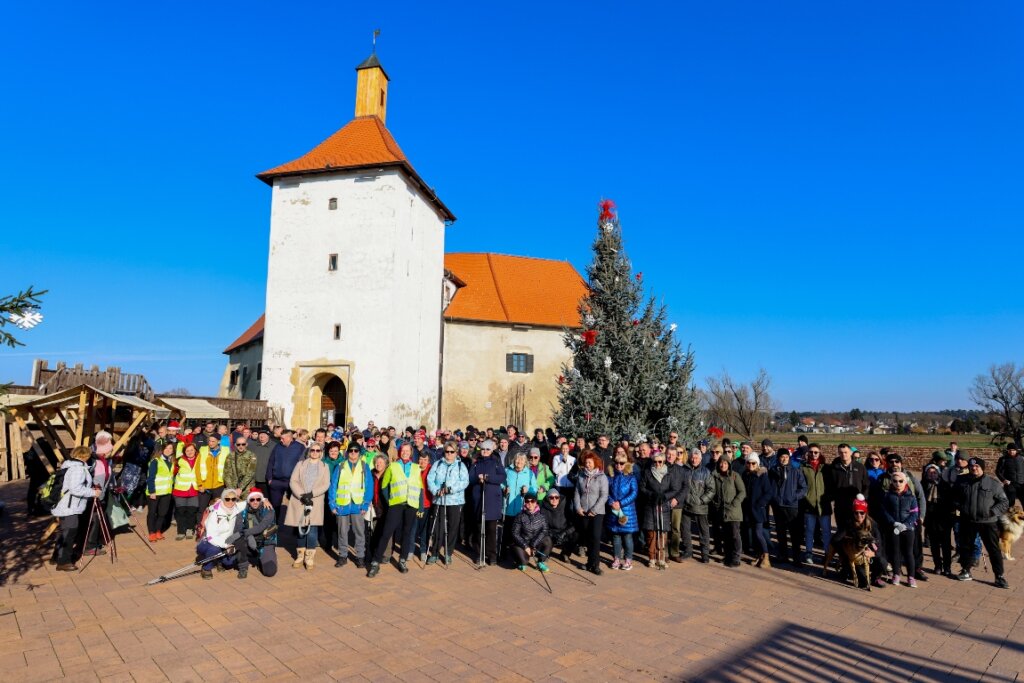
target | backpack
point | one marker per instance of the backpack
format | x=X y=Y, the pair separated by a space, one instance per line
x=51 y=493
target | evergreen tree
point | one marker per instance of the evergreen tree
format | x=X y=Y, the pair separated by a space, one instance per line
x=628 y=373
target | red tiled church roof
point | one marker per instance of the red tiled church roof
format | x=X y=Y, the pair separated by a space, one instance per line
x=499 y=289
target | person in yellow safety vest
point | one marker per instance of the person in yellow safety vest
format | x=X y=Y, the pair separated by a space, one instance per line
x=186 y=493
x=350 y=496
x=210 y=476
x=402 y=485
x=159 y=483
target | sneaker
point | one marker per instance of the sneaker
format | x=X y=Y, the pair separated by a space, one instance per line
x=190 y=534
x=373 y=570
x=522 y=567
x=153 y=538
x=448 y=560
x=809 y=559
x=179 y=537
x=964 y=575
x=895 y=579
x=920 y=575
x=912 y=582
x=403 y=566
x=243 y=573
x=617 y=563
x=627 y=565
x=878 y=582
x=95 y=552
x=541 y=566
x=206 y=574
x=432 y=559
x=1001 y=582
x=596 y=570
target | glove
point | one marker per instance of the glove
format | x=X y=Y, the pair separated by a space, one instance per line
x=899 y=528
x=306 y=499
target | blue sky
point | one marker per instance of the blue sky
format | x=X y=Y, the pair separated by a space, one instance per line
x=830 y=191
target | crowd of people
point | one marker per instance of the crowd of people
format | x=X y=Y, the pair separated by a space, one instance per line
x=496 y=495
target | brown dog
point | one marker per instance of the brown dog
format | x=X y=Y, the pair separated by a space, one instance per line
x=855 y=550
x=1011 y=526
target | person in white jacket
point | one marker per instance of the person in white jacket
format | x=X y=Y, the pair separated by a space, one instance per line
x=218 y=531
x=561 y=465
x=75 y=492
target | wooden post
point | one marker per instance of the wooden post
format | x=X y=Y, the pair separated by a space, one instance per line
x=64 y=422
x=59 y=449
x=35 y=447
x=80 y=418
x=128 y=433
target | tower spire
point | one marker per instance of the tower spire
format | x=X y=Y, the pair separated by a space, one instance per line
x=372 y=86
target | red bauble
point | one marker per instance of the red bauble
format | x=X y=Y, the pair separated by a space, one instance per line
x=587 y=416
x=590 y=337
x=640 y=276
x=607 y=210
x=561 y=379
x=636 y=321
x=715 y=432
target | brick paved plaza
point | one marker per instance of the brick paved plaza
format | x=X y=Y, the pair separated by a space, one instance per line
x=693 y=622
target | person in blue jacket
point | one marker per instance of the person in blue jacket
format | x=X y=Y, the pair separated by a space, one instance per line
x=789 y=487
x=901 y=511
x=349 y=502
x=283 y=459
x=448 y=480
x=621 y=518
x=487 y=478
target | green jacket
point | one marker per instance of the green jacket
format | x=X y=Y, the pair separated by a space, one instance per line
x=545 y=480
x=240 y=471
x=729 y=495
x=816 y=501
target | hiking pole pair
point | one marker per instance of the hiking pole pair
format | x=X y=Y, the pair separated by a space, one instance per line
x=659 y=539
x=189 y=568
x=100 y=518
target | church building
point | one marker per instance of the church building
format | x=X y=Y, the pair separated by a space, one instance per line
x=367 y=317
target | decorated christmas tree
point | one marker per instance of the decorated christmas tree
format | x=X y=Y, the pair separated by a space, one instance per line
x=628 y=374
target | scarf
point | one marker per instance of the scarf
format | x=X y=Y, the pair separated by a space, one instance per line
x=310 y=473
x=875 y=472
x=659 y=472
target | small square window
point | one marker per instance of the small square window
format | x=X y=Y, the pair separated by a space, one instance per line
x=337 y=331
x=332 y=262
x=519 y=362
x=332 y=203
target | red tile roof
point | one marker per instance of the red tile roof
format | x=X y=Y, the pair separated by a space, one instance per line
x=254 y=333
x=363 y=142
x=515 y=289
x=500 y=289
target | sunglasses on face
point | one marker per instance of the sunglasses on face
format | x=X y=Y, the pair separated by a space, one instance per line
x=815 y=452
x=231 y=499
x=256 y=499
x=622 y=464
x=315 y=450
x=658 y=461
x=860 y=514
x=534 y=457
x=448 y=451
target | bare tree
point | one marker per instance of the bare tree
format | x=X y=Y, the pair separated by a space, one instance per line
x=179 y=391
x=1001 y=391
x=745 y=408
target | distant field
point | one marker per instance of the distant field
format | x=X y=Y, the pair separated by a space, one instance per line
x=937 y=441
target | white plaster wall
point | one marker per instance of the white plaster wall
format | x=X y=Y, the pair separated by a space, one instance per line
x=385 y=293
x=475 y=375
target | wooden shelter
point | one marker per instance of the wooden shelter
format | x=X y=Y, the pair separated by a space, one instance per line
x=58 y=422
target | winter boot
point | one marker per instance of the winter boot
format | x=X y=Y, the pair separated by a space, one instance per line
x=300 y=556
x=310 y=560
x=243 y=573
x=403 y=566
x=373 y=570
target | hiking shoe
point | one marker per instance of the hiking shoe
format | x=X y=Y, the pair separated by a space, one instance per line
x=617 y=564
x=153 y=538
x=627 y=565
x=359 y=563
x=432 y=559
x=206 y=574
x=895 y=579
x=243 y=573
x=1000 y=582
x=190 y=534
x=878 y=582
x=920 y=575
x=179 y=537
x=964 y=575
x=596 y=570
x=373 y=570
x=95 y=552
x=522 y=567
x=543 y=567
x=403 y=566
x=341 y=562
x=912 y=582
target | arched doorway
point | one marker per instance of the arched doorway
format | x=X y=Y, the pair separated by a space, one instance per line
x=333 y=399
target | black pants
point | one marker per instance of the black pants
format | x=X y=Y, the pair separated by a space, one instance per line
x=591 y=530
x=686 y=533
x=64 y=553
x=490 y=540
x=400 y=518
x=187 y=517
x=158 y=513
x=265 y=558
x=1011 y=493
x=544 y=548
x=918 y=547
x=901 y=551
x=938 y=529
x=208 y=496
x=445 y=536
x=989 y=534
x=787 y=530
x=731 y=542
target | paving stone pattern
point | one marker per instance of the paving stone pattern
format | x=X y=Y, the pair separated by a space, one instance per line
x=692 y=622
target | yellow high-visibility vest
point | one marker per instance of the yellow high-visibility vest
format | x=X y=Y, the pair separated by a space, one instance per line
x=186 y=478
x=402 y=489
x=351 y=484
x=163 y=481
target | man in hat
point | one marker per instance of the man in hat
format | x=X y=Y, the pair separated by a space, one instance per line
x=349 y=496
x=1010 y=472
x=981 y=502
x=530 y=534
x=768 y=457
x=252 y=544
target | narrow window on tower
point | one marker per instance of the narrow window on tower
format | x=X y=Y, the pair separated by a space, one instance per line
x=382 y=97
x=337 y=331
x=332 y=262
x=332 y=203
x=259 y=371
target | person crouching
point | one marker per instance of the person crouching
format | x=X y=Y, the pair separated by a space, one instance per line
x=254 y=545
x=530 y=534
x=216 y=532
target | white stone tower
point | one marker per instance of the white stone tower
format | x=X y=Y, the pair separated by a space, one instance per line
x=354 y=283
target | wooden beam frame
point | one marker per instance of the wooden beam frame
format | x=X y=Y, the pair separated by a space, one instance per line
x=59 y=449
x=128 y=432
x=80 y=419
x=35 y=447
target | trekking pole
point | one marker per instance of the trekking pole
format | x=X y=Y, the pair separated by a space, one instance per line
x=188 y=569
x=567 y=567
x=131 y=510
x=447 y=550
x=483 y=523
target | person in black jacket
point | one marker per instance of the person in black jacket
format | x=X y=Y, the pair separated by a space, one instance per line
x=789 y=486
x=253 y=544
x=1010 y=472
x=939 y=522
x=981 y=501
x=530 y=534
x=755 y=508
x=846 y=479
x=661 y=490
x=561 y=530
x=486 y=478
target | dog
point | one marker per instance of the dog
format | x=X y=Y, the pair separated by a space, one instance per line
x=855 y=549
x=1011 y=526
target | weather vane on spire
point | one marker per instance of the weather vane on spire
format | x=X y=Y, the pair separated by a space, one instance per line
x=376 y=32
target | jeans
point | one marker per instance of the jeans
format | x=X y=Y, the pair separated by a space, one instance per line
x=310 y=540
x=622 y=546
x=206 y=549
x=901 y=551
x=989 y=535
x=762 y=538
x=422 y=535
x=785 y=531
x=823 y=522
